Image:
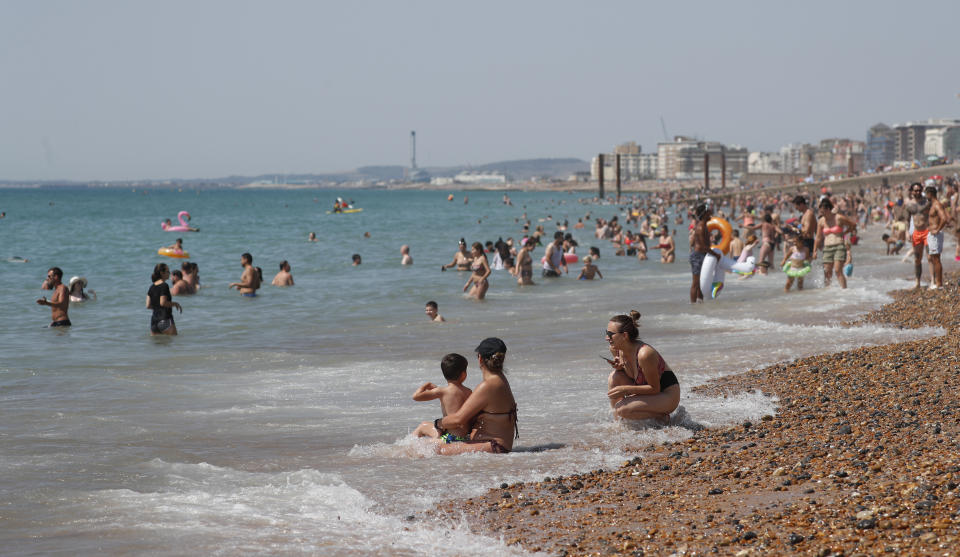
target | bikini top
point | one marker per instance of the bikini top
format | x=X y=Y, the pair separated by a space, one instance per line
x=833 y=230
x=661 y=366
x=512 y=413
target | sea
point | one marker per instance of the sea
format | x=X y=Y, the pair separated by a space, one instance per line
x=281 y=424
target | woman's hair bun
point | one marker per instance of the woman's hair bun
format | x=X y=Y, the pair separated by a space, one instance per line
x=635 y=315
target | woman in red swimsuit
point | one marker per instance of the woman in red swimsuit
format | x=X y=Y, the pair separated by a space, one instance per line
x=641 y=385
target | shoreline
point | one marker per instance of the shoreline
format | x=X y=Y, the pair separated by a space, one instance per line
x=862 y=455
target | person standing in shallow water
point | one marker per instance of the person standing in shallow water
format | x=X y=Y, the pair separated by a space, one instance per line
x=160 y=301
x=283 y=276
x=481 y=270
x=641 y=385
x=249 y=280
x=699 y=249
x=59 y=301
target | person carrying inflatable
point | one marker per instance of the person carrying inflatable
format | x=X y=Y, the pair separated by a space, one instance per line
x=796 y=263
x=699 y=249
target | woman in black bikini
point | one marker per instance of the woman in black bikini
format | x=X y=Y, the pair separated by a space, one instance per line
x=641 y=385
x=490 y=411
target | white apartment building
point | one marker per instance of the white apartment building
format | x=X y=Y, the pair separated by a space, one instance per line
x=759 y=162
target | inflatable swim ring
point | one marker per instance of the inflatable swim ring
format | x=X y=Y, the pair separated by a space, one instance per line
x=184 y=227
x=711 y=276
x=796 y=273
x=570 y=257
x=173 y=253
x=726 y=233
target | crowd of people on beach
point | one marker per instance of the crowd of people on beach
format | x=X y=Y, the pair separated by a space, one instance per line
x=641 y=385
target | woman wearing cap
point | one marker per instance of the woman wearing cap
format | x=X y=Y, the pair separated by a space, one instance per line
x=76 y=286
x=641 y=386
x=490 y=411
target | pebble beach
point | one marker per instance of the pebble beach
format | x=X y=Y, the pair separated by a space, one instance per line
x=862 y=457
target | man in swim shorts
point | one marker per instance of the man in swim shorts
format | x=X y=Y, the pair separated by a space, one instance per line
x=553 y=260
x=919 y=208
x=699 y=248
x=936 y=221
x=59 y=301
x=249 y=280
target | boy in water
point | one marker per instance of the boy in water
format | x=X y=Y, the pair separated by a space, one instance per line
x=432 y=311
x=589 y=270
x=452 y=397
x=893 y=246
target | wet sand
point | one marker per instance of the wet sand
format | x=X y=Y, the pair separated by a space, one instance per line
x=862 y=457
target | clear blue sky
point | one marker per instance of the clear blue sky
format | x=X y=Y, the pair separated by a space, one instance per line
x=129 y=89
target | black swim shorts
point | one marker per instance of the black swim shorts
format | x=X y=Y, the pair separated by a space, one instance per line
x=696 y=261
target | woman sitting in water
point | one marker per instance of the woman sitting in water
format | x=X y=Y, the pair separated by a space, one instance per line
x=491 y=408
x=481 y=270
x=641 y=385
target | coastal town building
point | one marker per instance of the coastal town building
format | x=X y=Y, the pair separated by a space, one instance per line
x=764 y=163
x=910 y=138
x=942 y=142
x=797 y=158
x=684 y=159
x=634 y=164
x=879 y=150
x=478 y=177
x=838 y=157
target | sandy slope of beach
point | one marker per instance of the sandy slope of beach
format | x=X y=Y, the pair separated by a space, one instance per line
x=862 y=457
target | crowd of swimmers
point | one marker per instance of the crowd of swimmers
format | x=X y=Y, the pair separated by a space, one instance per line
x=828 y=227
x=641 y=385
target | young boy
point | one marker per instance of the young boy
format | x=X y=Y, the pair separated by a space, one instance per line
x=431 y=310
x=589 y=269
x=799 y=263
x=452 y=397
x=893 y=246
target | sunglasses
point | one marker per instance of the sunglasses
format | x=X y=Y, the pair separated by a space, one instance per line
x=609 y=334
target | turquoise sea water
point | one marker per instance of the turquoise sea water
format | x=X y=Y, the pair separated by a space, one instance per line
x=279 y=423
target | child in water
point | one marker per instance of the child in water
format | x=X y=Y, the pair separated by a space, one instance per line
x=452 y=397
x=799 y=263
x=589 y=269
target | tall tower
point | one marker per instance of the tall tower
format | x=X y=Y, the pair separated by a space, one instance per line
x=413 y=151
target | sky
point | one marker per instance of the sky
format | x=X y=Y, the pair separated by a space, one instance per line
x=122 y=90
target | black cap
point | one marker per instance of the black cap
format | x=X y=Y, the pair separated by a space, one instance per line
x=491 y=346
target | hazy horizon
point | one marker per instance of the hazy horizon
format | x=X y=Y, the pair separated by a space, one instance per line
x=130 y=90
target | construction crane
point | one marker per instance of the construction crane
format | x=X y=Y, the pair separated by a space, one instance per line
x=663 y=125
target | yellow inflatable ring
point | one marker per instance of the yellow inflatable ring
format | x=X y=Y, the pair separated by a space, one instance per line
x=173 y=253
x=726 y=233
